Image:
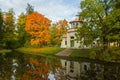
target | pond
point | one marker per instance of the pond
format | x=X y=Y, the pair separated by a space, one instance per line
x=18 y=66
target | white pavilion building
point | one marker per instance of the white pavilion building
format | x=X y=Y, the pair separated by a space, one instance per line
x=70 y=40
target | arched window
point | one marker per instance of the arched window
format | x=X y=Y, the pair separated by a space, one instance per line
x=85 y=67
x=72 y=37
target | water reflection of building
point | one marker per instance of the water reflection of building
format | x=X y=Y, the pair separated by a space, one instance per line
x=75 y=70
x=70 y=68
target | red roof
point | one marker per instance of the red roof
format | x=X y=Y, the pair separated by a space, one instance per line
x=80 y=21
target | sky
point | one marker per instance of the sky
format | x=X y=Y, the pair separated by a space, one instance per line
x=53 y=9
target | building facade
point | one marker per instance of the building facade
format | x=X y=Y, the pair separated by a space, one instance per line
x=70 y=39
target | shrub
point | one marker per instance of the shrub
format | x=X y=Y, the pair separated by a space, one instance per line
x=92 y=55
x=106 y=56
x=13 y=44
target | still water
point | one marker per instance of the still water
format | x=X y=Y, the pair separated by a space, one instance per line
x=18 y=66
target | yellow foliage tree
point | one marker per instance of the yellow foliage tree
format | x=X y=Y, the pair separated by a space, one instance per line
x=60 y=29
x=38 y=27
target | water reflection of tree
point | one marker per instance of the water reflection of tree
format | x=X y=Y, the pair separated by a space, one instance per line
x=100 y=72
x=5 y=67
x=36 y=71
x=28 y=68
x=111 y=72
x=54 y=64
x=55 y=68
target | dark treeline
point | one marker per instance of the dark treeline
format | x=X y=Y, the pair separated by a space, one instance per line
x=12 y=33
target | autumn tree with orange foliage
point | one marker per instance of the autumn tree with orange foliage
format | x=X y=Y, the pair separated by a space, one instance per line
x=38 y=27
x=37 y=71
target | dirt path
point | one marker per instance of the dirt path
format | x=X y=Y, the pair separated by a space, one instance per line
x=64 y=53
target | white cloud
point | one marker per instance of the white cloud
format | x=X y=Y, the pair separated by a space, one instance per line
x=53 y=9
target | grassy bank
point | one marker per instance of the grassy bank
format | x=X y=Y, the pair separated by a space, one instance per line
x=5 y=50
x=46 y=51
x=109 y=55
x=80 y=53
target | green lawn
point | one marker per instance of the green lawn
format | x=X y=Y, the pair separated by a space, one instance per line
x=5 y=50
x=46 y=51
x=83 y=53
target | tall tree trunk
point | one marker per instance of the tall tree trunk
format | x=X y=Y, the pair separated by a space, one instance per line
x=105 y=40
x=105 y=43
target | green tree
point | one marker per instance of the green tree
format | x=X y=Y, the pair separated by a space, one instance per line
x=9 y=24
x=29 y=9
x=52 y=34
x=95 y=13
x=1 y=28
x=113 y=20
x=20 y=29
